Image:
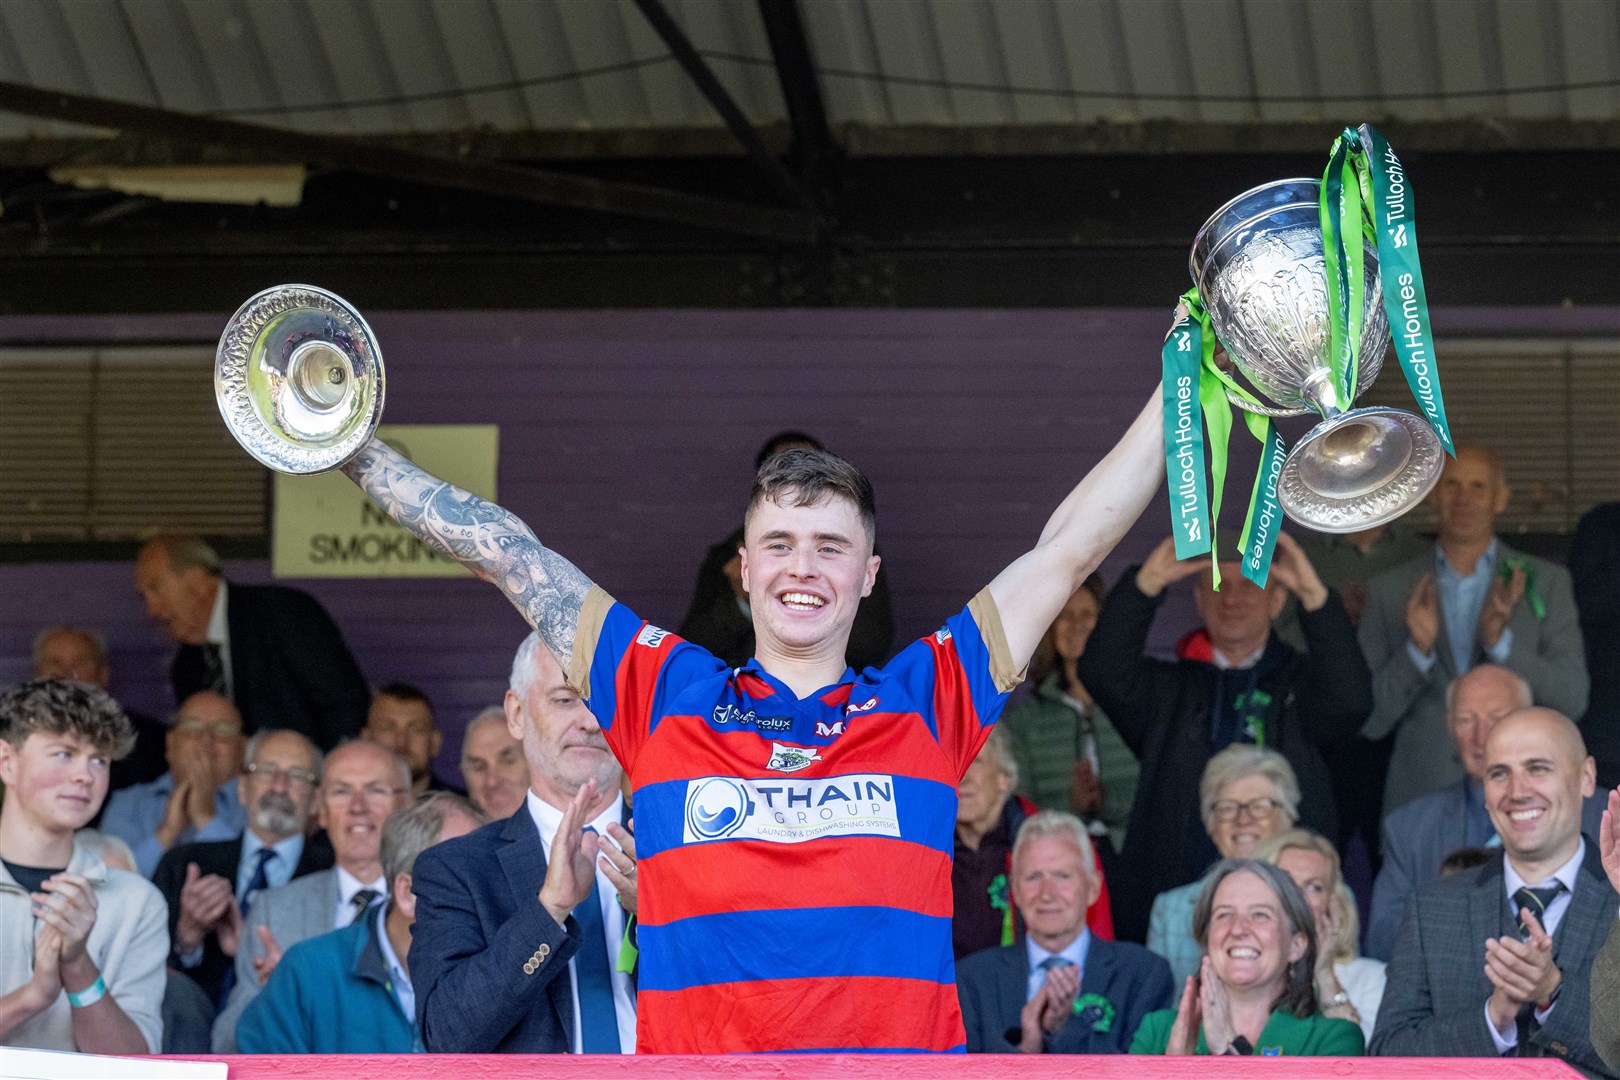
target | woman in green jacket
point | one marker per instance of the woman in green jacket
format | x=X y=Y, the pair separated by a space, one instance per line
x=1256 y=992
x=1070 y=757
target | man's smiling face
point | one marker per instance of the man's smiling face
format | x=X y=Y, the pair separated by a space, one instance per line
x=806 y=569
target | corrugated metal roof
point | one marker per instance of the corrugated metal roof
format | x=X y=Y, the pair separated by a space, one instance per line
x=420 y=66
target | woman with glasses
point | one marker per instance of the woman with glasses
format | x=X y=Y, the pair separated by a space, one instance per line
x=1255 y=991
x=1348 y=986
x=1248 y=794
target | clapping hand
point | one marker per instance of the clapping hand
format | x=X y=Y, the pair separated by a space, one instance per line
x=1423 y=614
x=619 y=864
x=1522 y=972
x=1050 y=1008
x=1218 y=1028
x=266 y=963
x=1502 y=597
x=1189 y=1019
x=571 y=871
x=1609 y=839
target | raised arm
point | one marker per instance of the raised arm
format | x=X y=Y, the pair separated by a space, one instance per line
x=490 y=541
x=1081 y=532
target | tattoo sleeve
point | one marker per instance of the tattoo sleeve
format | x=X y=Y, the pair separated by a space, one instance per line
x=490 y=541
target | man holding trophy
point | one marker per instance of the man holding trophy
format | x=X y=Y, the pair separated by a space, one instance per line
x=741 y=927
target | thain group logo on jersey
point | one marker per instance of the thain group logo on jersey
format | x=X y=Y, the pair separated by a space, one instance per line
x=784 y=811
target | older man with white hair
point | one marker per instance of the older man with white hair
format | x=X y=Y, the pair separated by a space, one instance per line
x=492 y=764
x=1062 y=990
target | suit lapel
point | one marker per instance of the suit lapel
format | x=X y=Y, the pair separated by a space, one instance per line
x=1586 y=921
x=1012 y=984
x=523 y=861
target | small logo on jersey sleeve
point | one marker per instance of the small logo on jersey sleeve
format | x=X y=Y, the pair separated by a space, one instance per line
x=651 y=636
x=790 y=812
x=791 y=758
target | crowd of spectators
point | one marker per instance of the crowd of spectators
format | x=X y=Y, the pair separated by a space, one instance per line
x=1162 y=854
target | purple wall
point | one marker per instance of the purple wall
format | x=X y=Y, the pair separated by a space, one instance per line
x=627 y=439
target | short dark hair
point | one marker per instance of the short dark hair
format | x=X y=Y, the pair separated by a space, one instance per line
x=783 y=439
x=400 y=691
x=60 y=707
x=1299 y=981
x=811 y=476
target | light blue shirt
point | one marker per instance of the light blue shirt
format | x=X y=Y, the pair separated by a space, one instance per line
x=1075 y=954
x=278 y=871
x=134 y=814
x=1462 y=596
x=398 y=977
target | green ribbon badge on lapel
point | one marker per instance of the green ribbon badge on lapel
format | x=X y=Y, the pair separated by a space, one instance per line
x=1095 y=1010
x=1504 y=570
x=999 y=902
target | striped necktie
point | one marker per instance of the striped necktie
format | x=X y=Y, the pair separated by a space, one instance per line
x=1538 y=900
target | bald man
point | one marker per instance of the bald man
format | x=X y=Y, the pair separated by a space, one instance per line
x=1419 y=836
x=1495 y=961
x=1472 y=600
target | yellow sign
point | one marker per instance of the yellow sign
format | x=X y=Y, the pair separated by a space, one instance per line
x=325 y=526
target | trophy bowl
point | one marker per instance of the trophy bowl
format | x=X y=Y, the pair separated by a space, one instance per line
x=1260 y=271
x=299 y=379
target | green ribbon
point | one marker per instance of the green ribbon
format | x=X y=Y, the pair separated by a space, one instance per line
x=1264 y=519
x=1182 y=361
x=1000 y=902
x=1504 y=570
x=628 y=952
x=1214 y=385
x=1366 y=196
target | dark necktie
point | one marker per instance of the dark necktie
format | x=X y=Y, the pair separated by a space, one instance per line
x=259 y=881
x=598 y=1022
x=360 y=901
x=213 y=668
x=1538 y=900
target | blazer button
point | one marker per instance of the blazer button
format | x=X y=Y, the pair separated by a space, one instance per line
x=1559 y=1048
x=528 y=968
x=543 y=952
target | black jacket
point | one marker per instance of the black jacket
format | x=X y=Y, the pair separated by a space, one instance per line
x=222 y=857
x=290 y=667
x=1163 y=710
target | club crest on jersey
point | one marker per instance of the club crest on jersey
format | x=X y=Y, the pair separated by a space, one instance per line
x=790 y=811
x=791 y=758
x=651 y=636
x=827 y=731
x=866 y=706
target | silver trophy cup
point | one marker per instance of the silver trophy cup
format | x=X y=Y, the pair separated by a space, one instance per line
x=1259 y=269
x=299 y=379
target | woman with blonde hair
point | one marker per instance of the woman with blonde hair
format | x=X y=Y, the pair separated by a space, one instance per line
x=1349 y=987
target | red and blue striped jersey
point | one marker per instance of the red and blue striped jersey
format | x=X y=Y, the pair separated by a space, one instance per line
x=795 y=855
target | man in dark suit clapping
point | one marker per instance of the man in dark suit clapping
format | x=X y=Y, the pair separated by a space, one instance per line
x=1062 y=990
x=519 y=924
x=1496 y=961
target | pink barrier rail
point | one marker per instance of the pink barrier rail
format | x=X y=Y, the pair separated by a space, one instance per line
x=874 y=1067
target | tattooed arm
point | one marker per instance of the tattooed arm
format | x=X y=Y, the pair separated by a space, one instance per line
x=491 y=542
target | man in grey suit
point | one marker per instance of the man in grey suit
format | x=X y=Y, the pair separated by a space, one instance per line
x=361 y=785
x=1419 y=835
x=1494 y=961
x=1474 y=600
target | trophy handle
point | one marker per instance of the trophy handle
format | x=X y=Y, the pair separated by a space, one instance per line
x=1262 y=409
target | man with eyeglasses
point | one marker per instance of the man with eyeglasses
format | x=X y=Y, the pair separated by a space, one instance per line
x=209 y=886
x=1233 y=681
x=362 y=783
x=197 y=798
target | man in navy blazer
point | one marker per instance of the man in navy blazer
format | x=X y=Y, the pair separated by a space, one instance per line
x=1419 y=835
x=1062 y=990
x=519 y=924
